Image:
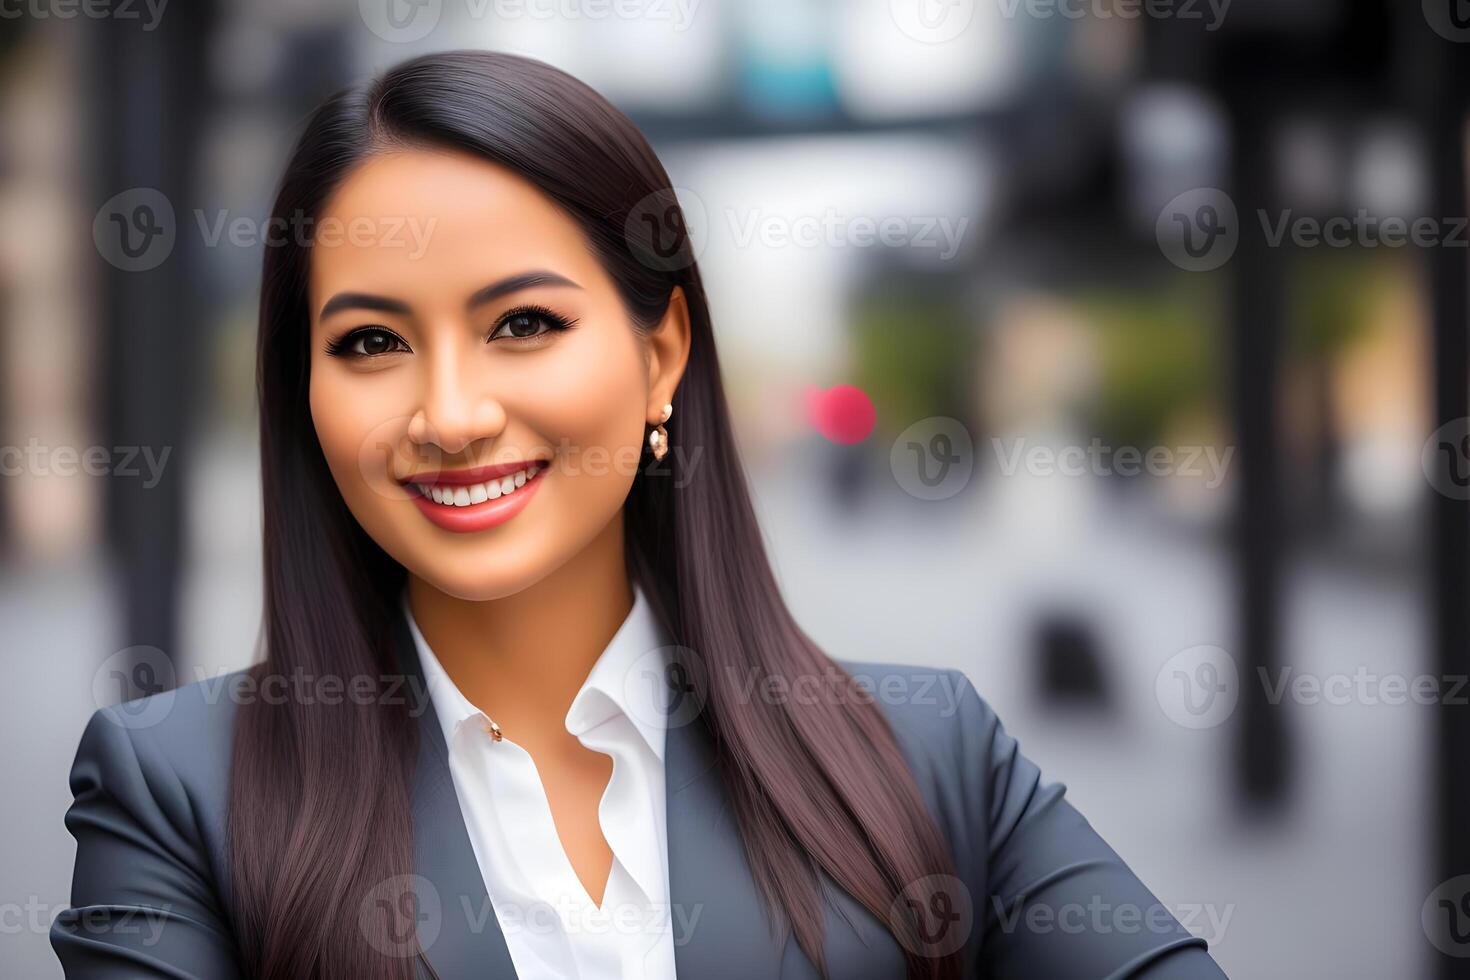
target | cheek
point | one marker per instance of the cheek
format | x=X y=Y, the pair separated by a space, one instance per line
x=338 y=427
x=591 y=402
x=357 y=432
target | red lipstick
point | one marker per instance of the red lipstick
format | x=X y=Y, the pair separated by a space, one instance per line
x=465 y=503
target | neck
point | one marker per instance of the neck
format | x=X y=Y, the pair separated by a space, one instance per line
x=522 y=658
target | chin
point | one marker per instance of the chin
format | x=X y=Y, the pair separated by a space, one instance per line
x=483 y=571
x=476 y=588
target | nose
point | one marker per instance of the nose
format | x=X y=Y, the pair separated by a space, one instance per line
x=458 y=406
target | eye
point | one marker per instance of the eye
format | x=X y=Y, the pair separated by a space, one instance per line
x=529 y=323
x=367 y=342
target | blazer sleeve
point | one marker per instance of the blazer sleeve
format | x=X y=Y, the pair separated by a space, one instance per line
x=143 y=902
x=1061 y=903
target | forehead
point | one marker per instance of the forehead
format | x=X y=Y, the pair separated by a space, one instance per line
x=422 y=224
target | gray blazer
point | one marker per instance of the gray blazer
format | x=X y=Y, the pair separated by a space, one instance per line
x=1040 y=894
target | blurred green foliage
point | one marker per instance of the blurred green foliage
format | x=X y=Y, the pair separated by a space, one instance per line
x=914 y=354
x=1331 y=299
x=1162 y=353
x=1159 y=355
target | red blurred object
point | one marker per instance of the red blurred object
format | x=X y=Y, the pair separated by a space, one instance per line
x=843 y=414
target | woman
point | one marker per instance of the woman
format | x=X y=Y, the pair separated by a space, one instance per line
x=531 y=703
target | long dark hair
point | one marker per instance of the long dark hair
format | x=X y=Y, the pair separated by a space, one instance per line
x=817 y=785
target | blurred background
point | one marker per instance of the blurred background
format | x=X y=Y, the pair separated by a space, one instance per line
x=1161 y=308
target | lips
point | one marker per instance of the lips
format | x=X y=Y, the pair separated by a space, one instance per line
x=477 y=498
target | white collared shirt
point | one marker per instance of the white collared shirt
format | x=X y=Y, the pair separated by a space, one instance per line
x=552 y=927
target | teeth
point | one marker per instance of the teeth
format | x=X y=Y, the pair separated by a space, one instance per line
x=477 y=493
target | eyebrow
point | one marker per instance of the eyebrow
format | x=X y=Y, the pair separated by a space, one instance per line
x=497 y=289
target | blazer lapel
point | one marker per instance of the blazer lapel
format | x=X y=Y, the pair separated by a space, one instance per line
x=458 y=931
x=718 y=917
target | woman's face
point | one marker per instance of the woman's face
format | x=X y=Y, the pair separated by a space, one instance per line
x=477 y=386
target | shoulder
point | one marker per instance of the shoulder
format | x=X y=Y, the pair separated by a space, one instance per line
x=969 y=770
x=165 y=759
x=185 y=730
x=933 y=711
x=150 y=784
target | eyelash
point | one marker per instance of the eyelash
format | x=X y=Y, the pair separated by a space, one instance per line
x=556 y=323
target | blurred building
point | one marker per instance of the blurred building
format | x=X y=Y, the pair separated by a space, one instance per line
x=1155 y=373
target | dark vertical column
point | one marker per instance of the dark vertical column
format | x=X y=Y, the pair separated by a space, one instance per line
x=147 y=88
x=1256 y=323
x=1449 y=517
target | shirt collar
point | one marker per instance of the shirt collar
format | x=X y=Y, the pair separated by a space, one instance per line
x=627 y=679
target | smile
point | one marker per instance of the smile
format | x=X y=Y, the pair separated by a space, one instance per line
x=472 y=500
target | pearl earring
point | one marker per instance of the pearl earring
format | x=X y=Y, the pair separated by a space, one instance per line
x=658 y=439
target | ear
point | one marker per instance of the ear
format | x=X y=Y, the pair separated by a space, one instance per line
x=668 y=354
